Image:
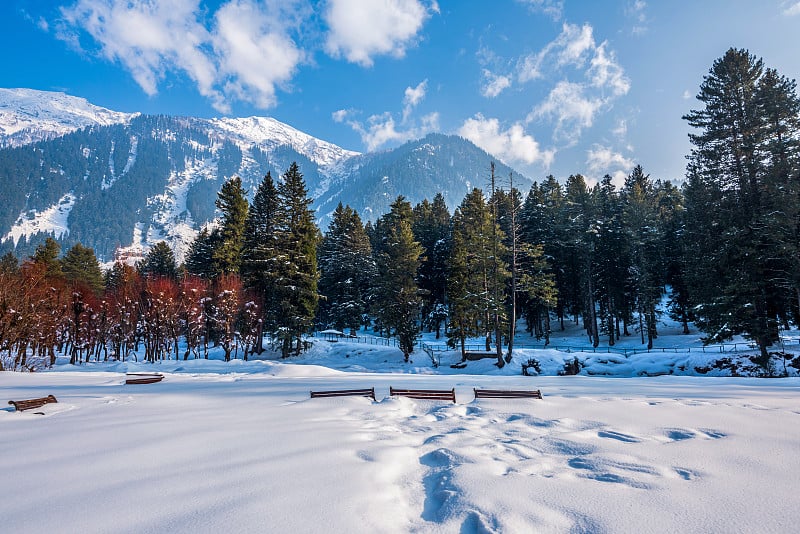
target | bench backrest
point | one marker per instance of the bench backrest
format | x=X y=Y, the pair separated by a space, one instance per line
x=29 y=404
x=435 y=394
x=345 y=393
x=507 y=394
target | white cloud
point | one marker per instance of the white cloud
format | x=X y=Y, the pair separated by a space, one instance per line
x=605 y=72
x=552 y=8
x=341 y=115
x=381 y=129
x=244 y=55
x=636 y=12
x=603 y=160
x=571 y=47
x=620 y=130
x=412 y=97
x=571 y=104
x=148 y=38
x=512 y=145
x=362 y=29
x=254 y=52
x=571 y=109
x=494 y=84
x=791 y=8
x=686 y=95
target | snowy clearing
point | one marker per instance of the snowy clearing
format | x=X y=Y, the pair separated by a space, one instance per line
x=240 y=447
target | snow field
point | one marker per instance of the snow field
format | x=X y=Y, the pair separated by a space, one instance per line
x=246 y=450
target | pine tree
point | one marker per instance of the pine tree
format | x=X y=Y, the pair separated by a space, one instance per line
x=641 y=215
x=579 y=232
x=159 y=261
x=431 y=227
x=543 y=222
x=396 y=293
x=672 y=229
x=232 y=202
x=610 y=265
x=741 y=188
x=537 y=289
x=346 y=270
x=9 y=264
x=477 y=273
x=260 y=250
x=200 y=257
x=297 y=275
x=80 y=266
x=46 y=254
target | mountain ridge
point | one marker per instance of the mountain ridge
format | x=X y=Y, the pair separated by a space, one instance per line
x=123 y=186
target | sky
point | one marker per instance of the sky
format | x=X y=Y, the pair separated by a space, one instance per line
x=547 y=86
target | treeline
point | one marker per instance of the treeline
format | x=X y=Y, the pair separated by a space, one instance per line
x=726 y=246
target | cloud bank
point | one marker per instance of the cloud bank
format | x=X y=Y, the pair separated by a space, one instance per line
x=244 y=50
x=511 y=145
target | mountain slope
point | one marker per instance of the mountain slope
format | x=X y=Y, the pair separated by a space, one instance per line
x=439 y=163
x=27 y=115
x=121 y=187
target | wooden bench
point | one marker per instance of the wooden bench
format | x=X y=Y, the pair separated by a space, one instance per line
x=433 y=394
x=143 y=378
x=30 y=404
x=345 y=393
x=479 y=355
x=507 y=394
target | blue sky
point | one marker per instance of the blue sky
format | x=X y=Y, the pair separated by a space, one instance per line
x=548 y=86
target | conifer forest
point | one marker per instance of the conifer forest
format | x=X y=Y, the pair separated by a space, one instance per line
x=723 y=247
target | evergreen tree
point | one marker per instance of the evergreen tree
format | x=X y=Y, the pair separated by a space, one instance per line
x=9 y=264
x=611 y=268
x=641 y=213
x=46 y=254
x=580 y=231
x=346 y=270
x=477 y=273
x=297 y=275
x=232 y=202
x=740 y=176
x=120 y=275
x=672 y=228
x=200 y=257
x=537 y=289
x=396 y=293
x=431 y=227
x=543 y=222
x=260 y=251
x=80 y=266
x=159 y=261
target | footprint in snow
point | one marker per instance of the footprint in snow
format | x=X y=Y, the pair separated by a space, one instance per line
x=619 y=436
x=679 y=434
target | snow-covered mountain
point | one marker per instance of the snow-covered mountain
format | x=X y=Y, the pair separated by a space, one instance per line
x=120 y=182
x=268 y=134
x=28 y=115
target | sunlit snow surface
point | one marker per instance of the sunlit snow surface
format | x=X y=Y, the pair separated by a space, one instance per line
x=240 y=447
x=52 y=221
x=269 y=133
x=28 y=115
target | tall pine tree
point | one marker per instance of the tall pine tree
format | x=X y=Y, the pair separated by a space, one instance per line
x=260 y=249
x=232 y=203
x=397 y=300
x=296 y=273
x=347 y=271
x=741 y=187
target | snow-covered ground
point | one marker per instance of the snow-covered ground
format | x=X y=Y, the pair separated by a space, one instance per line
x=240 y=447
